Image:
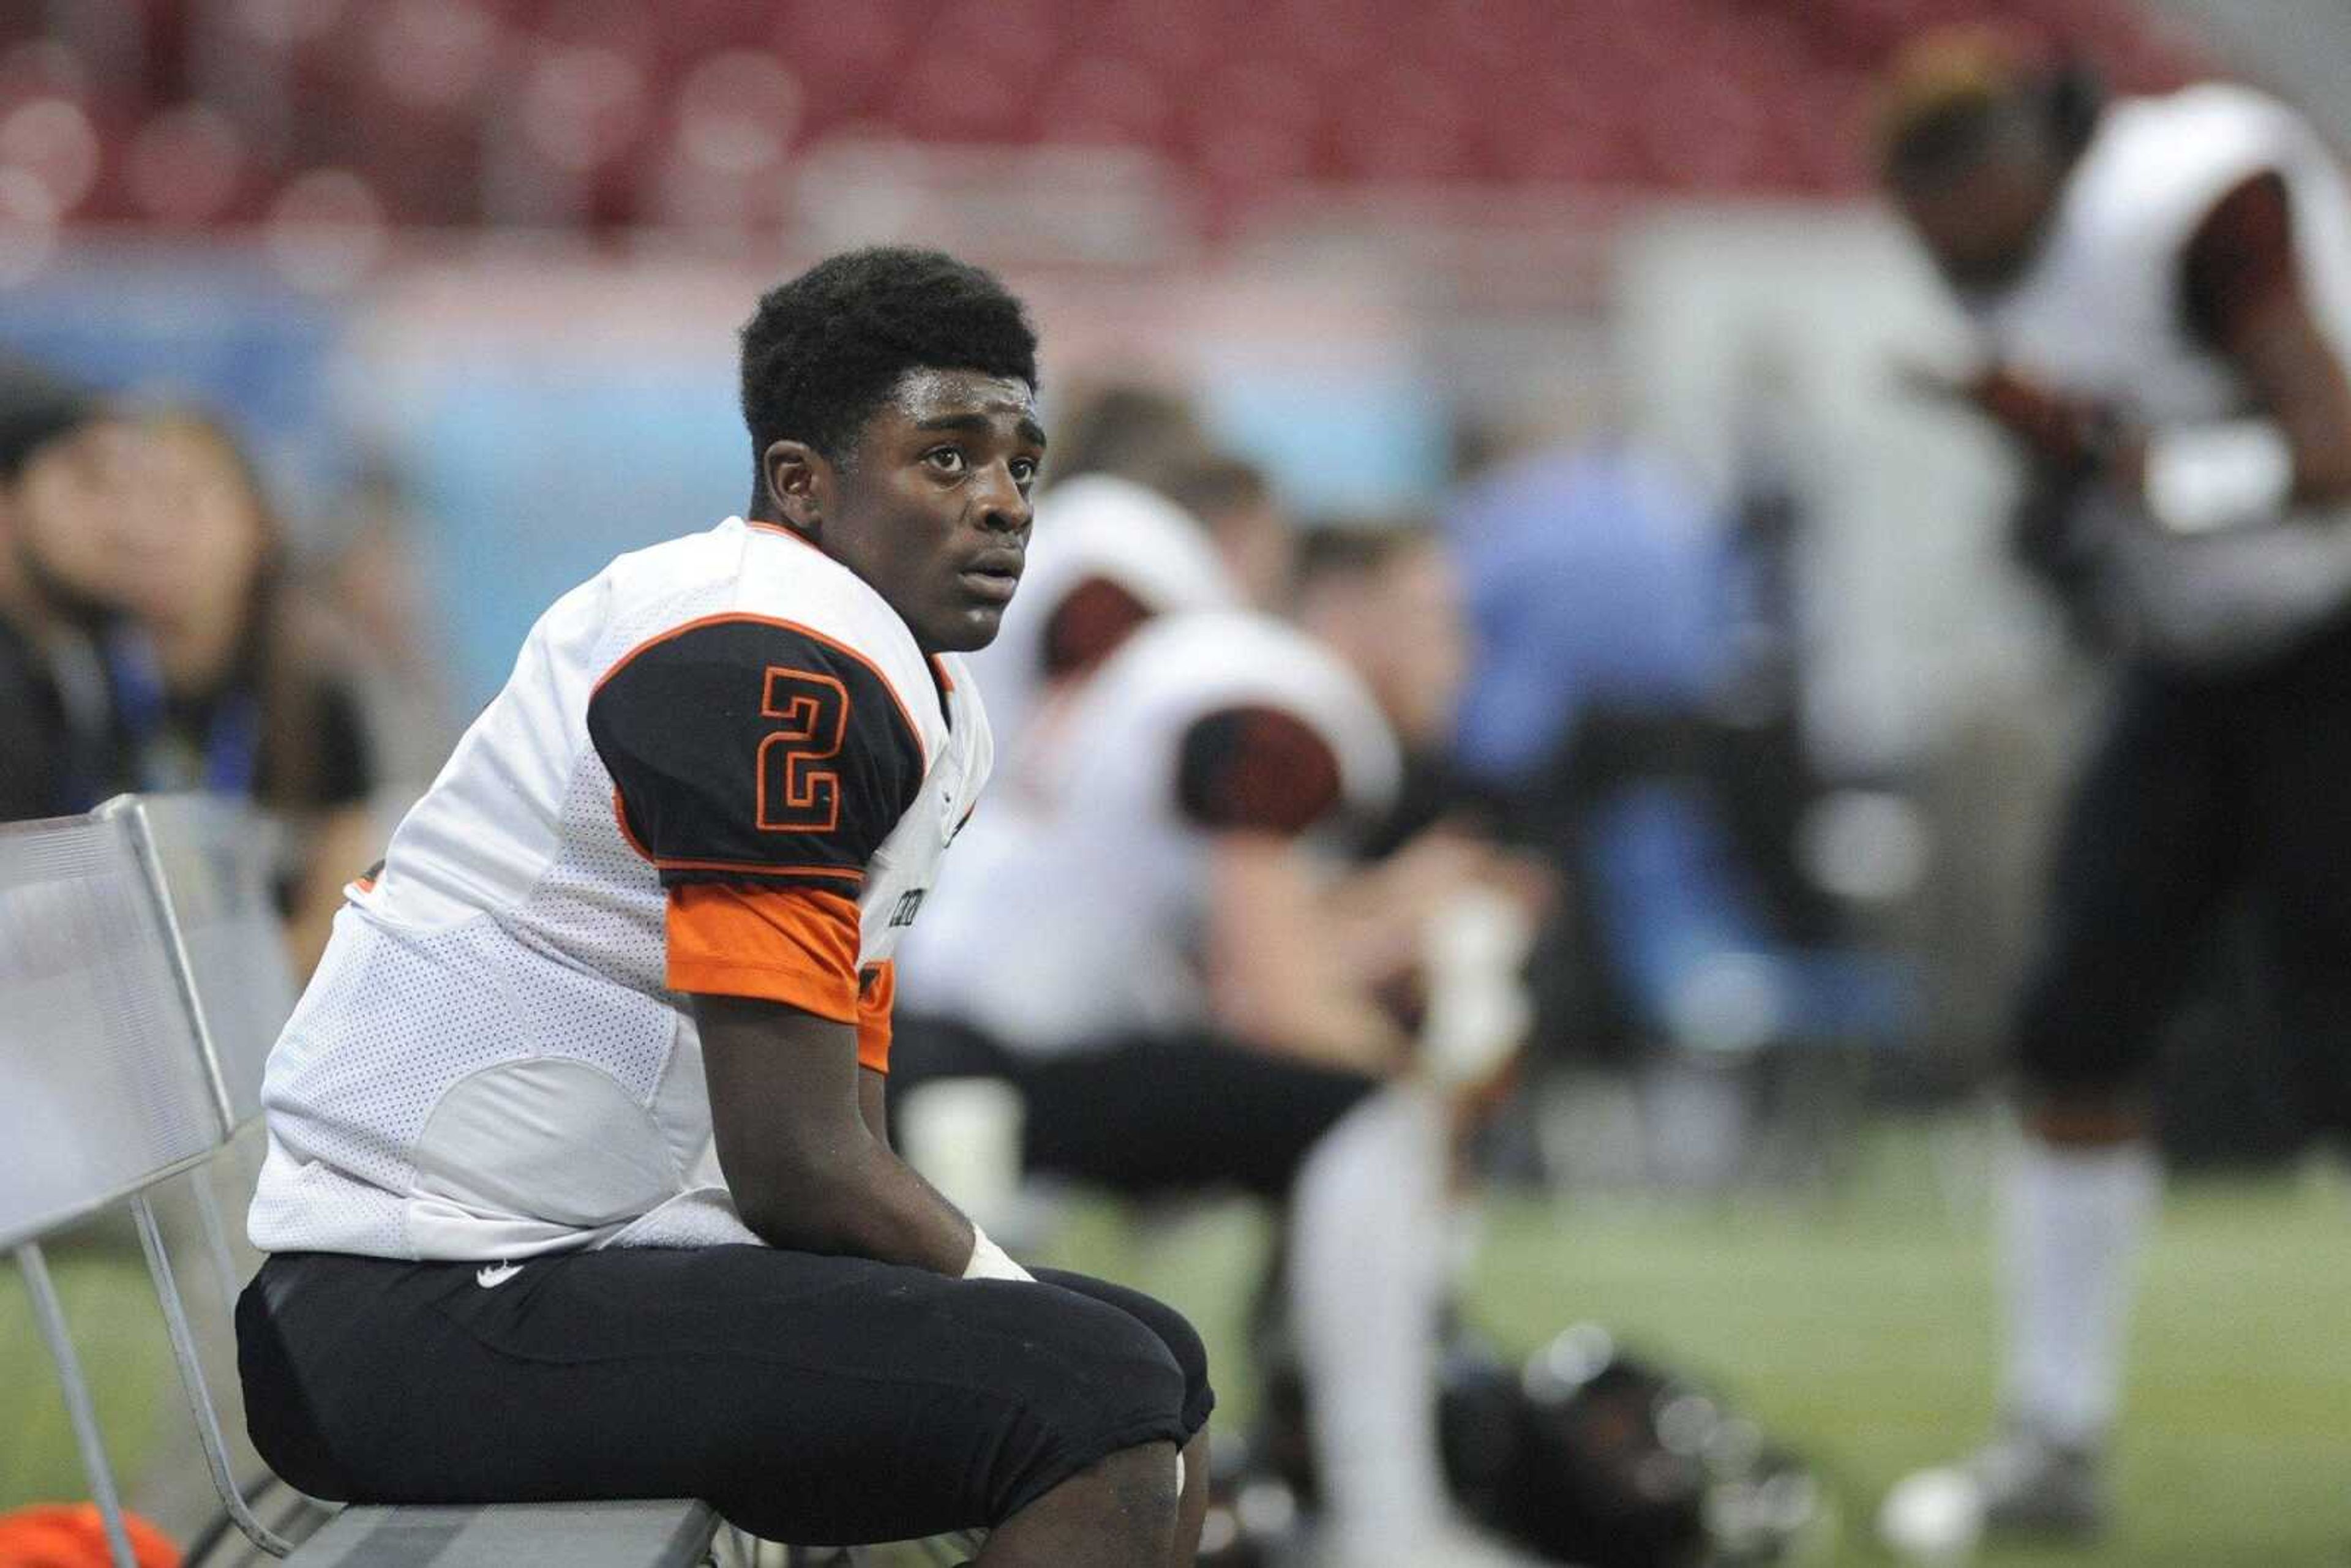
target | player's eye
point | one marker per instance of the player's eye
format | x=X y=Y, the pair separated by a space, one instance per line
x=946 y=459
x=1024 y=471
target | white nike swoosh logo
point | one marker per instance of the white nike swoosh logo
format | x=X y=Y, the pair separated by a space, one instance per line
x=491 y=1278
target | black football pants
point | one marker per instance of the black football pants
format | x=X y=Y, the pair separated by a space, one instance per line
x=2203 y=791
x=811 y=1399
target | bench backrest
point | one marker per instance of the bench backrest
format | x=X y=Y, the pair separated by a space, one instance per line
x=144 y=979
x=102 y=1086
x=208 y=863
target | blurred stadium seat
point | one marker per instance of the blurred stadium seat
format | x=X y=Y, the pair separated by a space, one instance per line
x=187 y=114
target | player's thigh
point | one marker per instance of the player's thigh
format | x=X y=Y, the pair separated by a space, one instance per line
x=814 y=1399
x=2147 y=850
x=1180 y=1116
x=2296 y=744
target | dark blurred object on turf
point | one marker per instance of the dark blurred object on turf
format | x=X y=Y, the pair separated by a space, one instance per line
x=1586 y=1455
x=1592 y=1457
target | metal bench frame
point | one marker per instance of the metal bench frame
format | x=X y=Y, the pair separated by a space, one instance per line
x=220 y=1014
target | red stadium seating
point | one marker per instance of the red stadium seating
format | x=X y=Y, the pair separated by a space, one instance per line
x=612 y=112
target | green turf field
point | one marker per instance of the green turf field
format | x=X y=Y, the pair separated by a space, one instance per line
x=1856 y=1327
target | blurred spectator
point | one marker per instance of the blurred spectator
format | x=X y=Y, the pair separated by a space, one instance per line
x=163 y=647
x=1594 y=576
x=218 y=669
x=1632 y=717
x=373 y=585
x=62 y=467
x=1596 y=586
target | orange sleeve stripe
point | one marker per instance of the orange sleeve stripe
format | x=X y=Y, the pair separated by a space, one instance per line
x=791 y=945
x=873 y=1000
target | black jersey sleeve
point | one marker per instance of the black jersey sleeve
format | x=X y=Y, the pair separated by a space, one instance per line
x=745 y=749
x=2241 y=260
x=1256 y=770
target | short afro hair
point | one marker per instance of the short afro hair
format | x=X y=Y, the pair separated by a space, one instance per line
x=823 y=351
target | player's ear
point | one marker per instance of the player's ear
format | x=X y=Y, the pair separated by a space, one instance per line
x=797 y=480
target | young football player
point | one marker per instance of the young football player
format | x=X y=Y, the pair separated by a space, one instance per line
x=578 y=1185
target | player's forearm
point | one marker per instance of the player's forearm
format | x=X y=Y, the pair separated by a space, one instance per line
x=792 y=1113
x=867 y=1203
x=1273 y=977
x=1331 y=1025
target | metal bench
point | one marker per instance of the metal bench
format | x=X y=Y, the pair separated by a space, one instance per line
x=514 y=1535
x=142 y=978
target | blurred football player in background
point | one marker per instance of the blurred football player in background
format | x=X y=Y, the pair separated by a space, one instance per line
x=1129 y=430
x=1193 y=992
x=1147 y=520
x=1234 y=503
x=2161 y=289
x=1110 y=555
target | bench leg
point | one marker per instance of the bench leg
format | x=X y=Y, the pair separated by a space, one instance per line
x=51 y=1316
x=192 y=1379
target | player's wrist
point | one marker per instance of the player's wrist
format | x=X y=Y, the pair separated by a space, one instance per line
x=990 y=1262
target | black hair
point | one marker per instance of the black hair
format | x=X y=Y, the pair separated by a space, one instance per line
x=36 y=408
x=2074 y=96
x=1951 y=140
x=2061 y=104
x=1341 y=549
x=1127 y=430
x=1207 y=484
x=823 y=351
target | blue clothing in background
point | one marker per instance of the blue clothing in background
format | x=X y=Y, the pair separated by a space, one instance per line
x=1592 y=576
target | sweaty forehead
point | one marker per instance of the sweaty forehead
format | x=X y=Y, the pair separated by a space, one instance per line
x=926 y=393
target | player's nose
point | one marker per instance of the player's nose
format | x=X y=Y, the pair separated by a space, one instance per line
x=1003 y=506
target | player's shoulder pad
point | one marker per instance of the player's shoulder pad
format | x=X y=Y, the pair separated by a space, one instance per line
x=1183 y=669
x=785 y=575
x=1248 y=767
x=774 y=742
x=2159 y=163
x=1098 y=528
x=763 y=571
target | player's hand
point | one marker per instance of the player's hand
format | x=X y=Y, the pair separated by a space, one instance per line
x=1932 y=382
x=2066 y=432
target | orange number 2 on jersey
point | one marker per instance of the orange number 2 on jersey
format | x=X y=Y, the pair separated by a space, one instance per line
x=798 y=792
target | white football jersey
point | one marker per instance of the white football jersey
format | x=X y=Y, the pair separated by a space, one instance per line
x=1073 y=918
x=2098 y=313
x=1095 y=527
x=721 y=765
